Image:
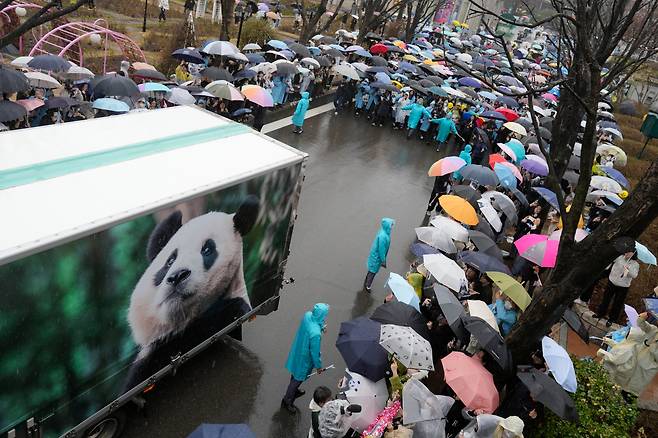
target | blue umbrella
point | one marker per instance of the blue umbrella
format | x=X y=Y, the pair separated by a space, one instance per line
x=548 y=195
x=482 y=261
x=505 y=175
x=644 y=255
x=240 y=112
x=403 y=291
x=245 y=74
x=509 y=101
x=470 y=82
x=315 y=51
x=363 y=53
x=109 y=104
x=222 y=431
x=490 y=96
x=406 y=66
x=337 y=47
x=615 y=174
x=53 y=63
x=517 y=148
x=152 y=86
x=255 y=58
x=493 y=115
x=358 y=343
x=277 y=44
x=419 y=249
x=383 y=78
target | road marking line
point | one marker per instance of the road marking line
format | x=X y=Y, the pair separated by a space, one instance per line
x=287 y=121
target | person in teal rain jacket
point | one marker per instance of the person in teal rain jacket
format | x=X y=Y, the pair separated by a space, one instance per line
x=417 y=112
x=378 y=251
x=300 y=112
x=466 y=156
x=446 y=127
x=305 y=353
x=505 y=313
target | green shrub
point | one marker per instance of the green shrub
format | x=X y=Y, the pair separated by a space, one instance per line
x=256 y=30
x=602 y=409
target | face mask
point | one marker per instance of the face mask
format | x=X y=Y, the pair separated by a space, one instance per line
x=508 y=305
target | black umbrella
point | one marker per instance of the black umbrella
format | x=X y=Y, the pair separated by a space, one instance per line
x=546 y=122
x=51 y=63
x=451 y=308
x=483 y=262
x=549 y=393
x=60 y=102
x=483 y=175
x=378 y=61
x=519 y=195
x=624 y=244
x=384 y=86
x=396 y=312
x=435 y=80
x=10 y=111
x=324 y=61
x=334 y=53
x=12 y=81
x=489 y=340
x=217 y=74
x=245 y=74
x=467 y=192
x=526 y=123
x=469 y=91
x=484 y=243
x=286 y=68
x=484 y=227
x=545 y=133
x=328 y=40
x=426 y=83
x=300 y=50
x=419 y=89
x=373 y=36
x=358 y=343
x=115 y=86
x=147 y=73
x=378 y=69
x=188 y=55
x=573 y=320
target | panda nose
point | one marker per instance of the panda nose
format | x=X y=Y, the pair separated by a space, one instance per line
x=178 y=277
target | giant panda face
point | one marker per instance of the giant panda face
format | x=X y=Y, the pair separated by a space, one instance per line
x=192 y=265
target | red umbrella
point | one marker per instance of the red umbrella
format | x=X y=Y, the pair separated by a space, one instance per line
x=496 y=158
x=508 y=113
x=378 y=49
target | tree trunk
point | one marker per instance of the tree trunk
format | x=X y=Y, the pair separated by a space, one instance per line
x=579 y=264
x=227 y=17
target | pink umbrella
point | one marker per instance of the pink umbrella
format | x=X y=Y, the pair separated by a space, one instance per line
x=30 y=104
x=445 y=166
x=549 y=96
x=472 y=383
x=539 y=249
x=258 y=95
x=580 y=234
x=508 y=150
x=514 y=169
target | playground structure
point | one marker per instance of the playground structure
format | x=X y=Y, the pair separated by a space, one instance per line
x=10 y=18
x=68 y=39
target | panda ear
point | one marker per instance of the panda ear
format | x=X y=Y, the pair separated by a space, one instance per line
x=162 y=233
x=245 y=218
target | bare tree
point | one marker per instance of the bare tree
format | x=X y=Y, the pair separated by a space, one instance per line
x=418 y=13
x=49 y=11
x=312 y=18
x=376 y=13
x=590 y=35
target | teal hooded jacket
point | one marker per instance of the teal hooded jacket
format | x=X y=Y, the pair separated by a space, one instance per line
x=417 y=112
x=380 y=245
x=305 y=350
x=300 y=111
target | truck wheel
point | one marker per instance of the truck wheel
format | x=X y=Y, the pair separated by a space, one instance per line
x=109 y=427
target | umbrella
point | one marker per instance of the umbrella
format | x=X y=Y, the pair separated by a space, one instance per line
x=42 y=80
x=493 y=115
x=258 y=95
x=255 y=58
x=484 y=243
x=347 y=70
x=539 y=249
x=221 y=48
x=470 y=381
x=421 y=405
x=112 y=105
x=224 y=90
x=512 y=288
x=515 y=127
x=489 y=340
x=605 y=183
x=152 y=87
x=276 y=44
x=573 y=320
x=451 y=308
x=403 y=291
x=508 y=150
x=395 y=312
x=252 y=46
x=383 y=86
x=490 y=214
x=21 y=61
x=632 y=316
x=509 y=114
x=378 y=61
x=454 y=229
x=446 y=272
x=467 y=192
x=216 y=74
x=378 y=49
x=502 y=202
x=358 y=344
x=484 y=227
x=482 y=261
x=222 y=431
x=436 y=238
x=534 y=166
x=411 y=349
x=11 y=111
x=310 y=62
x=480 y=174
x=78 y=73
x=61 y=102
x=458 y=208
x=616 y=151
x=240 y=112
x=12 y=81
x=559 y=364
x=446 y=165
x=480 y=309
x=371 y=396
x=180 y=96
x=30 y=104
x=549 y=393
x=419 y=249
x=548 y=195
x=115 y=86
x=188 y=55
x=285 y=68
x=615 y=175
x=644 y=254
x=52 y=63
x=469 y=82
x=147 y=73
x=509 y=101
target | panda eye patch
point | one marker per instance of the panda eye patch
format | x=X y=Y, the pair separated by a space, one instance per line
x=162 y=272
x=172 y=258
x=209 y=253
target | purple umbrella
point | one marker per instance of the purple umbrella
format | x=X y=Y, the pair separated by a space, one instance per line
x=470 y=82
x=509 y=101
x=535 y=167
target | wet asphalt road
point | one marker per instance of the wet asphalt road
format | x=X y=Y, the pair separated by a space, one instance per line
x=356 y=175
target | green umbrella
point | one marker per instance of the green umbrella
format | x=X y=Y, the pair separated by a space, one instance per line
x=512 y=288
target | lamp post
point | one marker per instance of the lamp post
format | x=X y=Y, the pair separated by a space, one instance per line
x=146 y=5
x=240 y=28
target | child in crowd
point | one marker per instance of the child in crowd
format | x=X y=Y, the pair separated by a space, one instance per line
x=321 y=395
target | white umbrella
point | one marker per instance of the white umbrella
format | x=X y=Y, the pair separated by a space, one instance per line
x=502 y=202
x=426 y=410
x=310 y=61
x=614 y=132
x=221 y=48
x=465 y=57
x=238 y=56
x=436 y=238
x=180 y=96
x=594 y=195
x=252 y=46
x=559 y=364
x=446 y=271
x=484 y=426
x=371 y=396
x=452 y=228
x=490 y=214
x=347 y=70
x=265 y=67
x=76 y=73
x=605 y=183
x=42 y=80
x=480 y=309
x=410 y=348
x=360 y=66
x=21 y=61
x=515 y=127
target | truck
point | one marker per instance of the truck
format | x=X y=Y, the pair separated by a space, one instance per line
x=130 y=244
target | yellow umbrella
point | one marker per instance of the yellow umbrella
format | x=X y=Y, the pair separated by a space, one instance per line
x=581 y=221
x=399 y=85
x=516 y=127
x=459 y=209
x=400 y=44
x=411 y=58
x=430 y=62
x=456 y=23
x=512 y=288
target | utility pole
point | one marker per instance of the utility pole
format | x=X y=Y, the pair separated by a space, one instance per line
x=146 y=6
x=240 y=28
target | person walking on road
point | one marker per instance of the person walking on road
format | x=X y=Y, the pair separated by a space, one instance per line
x=305 y=353
x=164 y=7
x=624 y=269
x=378 y=251
x=417 y=110
x=300 y=112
